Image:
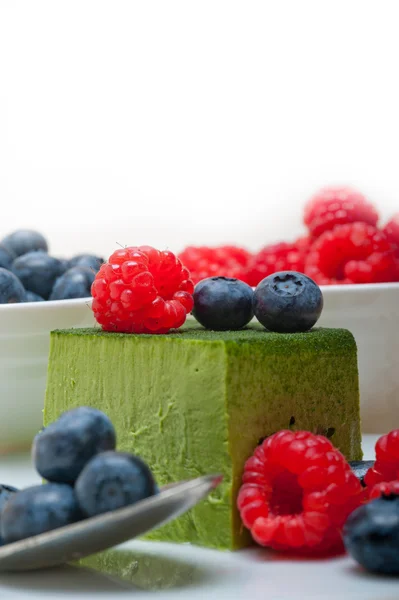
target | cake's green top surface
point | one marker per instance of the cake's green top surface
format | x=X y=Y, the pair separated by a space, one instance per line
x=315 y=339
x=196 y=401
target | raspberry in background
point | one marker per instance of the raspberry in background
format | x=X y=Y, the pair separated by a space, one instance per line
x=206 y=261
x=142 y=290
x=351 y=253
x=297 y=493
x=273 y=258
x=386 y=466
x=384 y=489
x=333 y=206
x=391 y=231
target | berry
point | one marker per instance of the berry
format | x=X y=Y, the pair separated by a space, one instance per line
x=276 y=257
x=297 y=493
x=204 y=261
x=74 y=283
x=360 y=468
x=6 y=258
x=62 y=449
x=6 y=491
x=386 y=466
x=142 y=290
x=391 y=230
x=222 y=303
x=337 y=206
x=112 y=480
x=371 y=535
x=23 y=241
x=11 y=289
x=37 y=272
x=64 y=265
x=352 y=253
x=384 y=489
x=86 y=260
x=288 y=302
x=38 y=509
x=32 y=297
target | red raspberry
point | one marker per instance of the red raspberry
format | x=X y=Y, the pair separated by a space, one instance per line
x=352 y=253
x=297 y=493
x=204 y=261
x=336 y=206
x=386 y=466
x=391 y=230
x=384 y=489
x=142 y=290
x=277 y=257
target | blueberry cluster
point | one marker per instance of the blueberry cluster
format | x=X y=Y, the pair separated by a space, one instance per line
x=285 y=302
x=29 y=274
x=85 y=477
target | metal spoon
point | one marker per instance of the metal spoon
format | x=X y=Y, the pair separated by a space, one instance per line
x=95 y=534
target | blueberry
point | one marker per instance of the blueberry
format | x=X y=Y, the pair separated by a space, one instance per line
x=6 y=491
x=63 y=448
x=11 y=289
x=64 y=265
x=112 y=480
x=74 y=283
x=87 y=260
x=6 y=258
x=288 y=302
x=360 y=468
x=24 y=241
x=371 y=535
x=38 y=509
x=222 y=303
x=32 y=297
x=38 y=272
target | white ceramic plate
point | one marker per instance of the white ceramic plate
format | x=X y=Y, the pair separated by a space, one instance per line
x=191 y=573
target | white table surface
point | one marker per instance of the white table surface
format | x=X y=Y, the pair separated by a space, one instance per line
x=173 y=571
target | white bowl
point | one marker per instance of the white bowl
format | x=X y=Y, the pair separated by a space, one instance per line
x=371 y=312
x=24 y=345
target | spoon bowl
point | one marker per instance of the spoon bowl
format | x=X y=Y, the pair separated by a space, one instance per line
x=101 y=532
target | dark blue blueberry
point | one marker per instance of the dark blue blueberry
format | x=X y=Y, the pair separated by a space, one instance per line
x=38 y=509
x=63 y=448
x=74 y=283
x=6 y=491
x=371 y=535
x=38 y=272
x=222 y=303
x=112 y=480
x=288 y=302
x=32 y=297
x=86 y=260
x=24 y=241
x=11 y=289
x=360 y=468
x=6 y=257
x=64 y=265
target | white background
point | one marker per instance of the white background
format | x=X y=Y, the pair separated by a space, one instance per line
x=169 y=122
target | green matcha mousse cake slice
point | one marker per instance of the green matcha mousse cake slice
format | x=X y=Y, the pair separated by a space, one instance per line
x=196 y=402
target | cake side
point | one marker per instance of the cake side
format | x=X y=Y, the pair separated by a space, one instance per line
x=166 y=398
